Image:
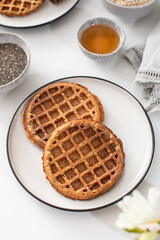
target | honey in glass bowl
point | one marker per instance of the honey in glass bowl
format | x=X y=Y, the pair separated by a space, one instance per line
x=100 y=39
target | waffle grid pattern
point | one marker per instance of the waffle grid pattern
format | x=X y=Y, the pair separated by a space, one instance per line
x=84 y=159
x=58 y=105
x=19 y=7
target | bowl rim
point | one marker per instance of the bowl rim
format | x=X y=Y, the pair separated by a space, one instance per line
x=131 y=7
x=116 y=25
x=28 y=54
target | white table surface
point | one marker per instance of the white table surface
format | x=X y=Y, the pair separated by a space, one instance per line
x=55 y=54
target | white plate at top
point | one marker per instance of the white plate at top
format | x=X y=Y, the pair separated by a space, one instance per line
x=127 y=119
x=47 y=13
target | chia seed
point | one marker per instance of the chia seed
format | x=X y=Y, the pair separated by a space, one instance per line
x=13 y=61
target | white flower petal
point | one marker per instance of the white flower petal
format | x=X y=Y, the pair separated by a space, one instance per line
x=134 y=236
x=137 y=210
x=153 y=227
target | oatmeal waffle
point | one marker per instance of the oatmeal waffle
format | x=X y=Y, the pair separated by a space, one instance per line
x=83 y=159
x=56 y=104
x=13 y=8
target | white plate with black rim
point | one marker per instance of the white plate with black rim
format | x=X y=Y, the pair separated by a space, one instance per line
x=123 y=114
x=47 y=13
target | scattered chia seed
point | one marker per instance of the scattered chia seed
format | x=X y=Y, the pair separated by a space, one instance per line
x=13 y=60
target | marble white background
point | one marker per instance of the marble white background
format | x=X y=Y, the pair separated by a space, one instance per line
x=55 y=54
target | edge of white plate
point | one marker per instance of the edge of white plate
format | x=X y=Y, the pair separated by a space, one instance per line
x=41 y=24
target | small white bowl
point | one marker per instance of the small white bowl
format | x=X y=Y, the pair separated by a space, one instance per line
x=13 y=38
x=129 y=12
x=107 y=22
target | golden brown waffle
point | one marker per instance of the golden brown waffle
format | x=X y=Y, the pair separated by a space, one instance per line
x=13 y=8
x=83 y=159
x=57 y=104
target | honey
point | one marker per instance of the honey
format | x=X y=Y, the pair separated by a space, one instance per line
x=100 y=39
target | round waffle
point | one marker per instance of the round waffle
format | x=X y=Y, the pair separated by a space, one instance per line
x=13 y=8
x=83 y=159
x=56 y=104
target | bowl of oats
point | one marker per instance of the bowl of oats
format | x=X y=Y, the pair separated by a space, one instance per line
x=14 y=61
x=130 y=9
